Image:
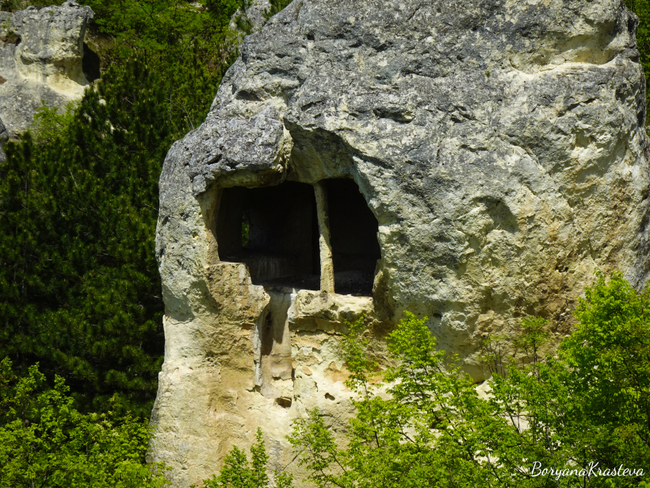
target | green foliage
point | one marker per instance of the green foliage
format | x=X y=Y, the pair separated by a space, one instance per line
x=78 y=275
x=609 y=357
x=51 y=122
x=425 y=425
x=45 y=442
x=532 y=336
x=237 y=472
x=359 y=363
x=493 y=348
x=642 y=9
x=13 y=5
x=189 y=46
x=610 y=349
x=276 y=7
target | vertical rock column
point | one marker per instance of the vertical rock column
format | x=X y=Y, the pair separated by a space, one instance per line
x=275 y=353
x=324 y=244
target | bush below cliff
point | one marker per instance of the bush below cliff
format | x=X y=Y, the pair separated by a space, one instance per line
x=580 y=419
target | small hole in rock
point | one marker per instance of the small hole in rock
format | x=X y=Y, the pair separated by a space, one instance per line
x=284 y=402
x=10 y=38
x=329 y=397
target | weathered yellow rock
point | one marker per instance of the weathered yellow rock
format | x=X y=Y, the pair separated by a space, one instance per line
x=40 y=61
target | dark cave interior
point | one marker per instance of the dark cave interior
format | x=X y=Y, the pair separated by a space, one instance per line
x=275 y=231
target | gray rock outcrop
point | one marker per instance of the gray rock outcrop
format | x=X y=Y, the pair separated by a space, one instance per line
x=255 y=15
x=40 y=61
x=472 y=162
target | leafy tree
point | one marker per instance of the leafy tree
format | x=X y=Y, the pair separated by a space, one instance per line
x=423 y=424
x=237 y=472
x=45 y=442
x=424 y=432
x=609 y=359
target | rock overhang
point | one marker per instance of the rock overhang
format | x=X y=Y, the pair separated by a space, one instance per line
x=437 y=116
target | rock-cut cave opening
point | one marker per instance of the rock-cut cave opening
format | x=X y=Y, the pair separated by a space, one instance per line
x=353 y=227
x=276 y=231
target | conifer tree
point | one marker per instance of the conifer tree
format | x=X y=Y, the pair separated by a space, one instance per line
x=79 y=287
x=78 y=275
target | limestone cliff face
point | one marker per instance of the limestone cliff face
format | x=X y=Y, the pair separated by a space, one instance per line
x=40 y=60
x=470 y=161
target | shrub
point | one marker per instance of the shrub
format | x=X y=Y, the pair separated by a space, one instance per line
x=238 y=472
x=46 y=442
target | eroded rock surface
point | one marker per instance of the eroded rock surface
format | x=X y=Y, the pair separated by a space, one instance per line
x=496 y=147
x=41 y=55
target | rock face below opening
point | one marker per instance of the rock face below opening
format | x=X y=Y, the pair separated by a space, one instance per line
x=499 y=151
